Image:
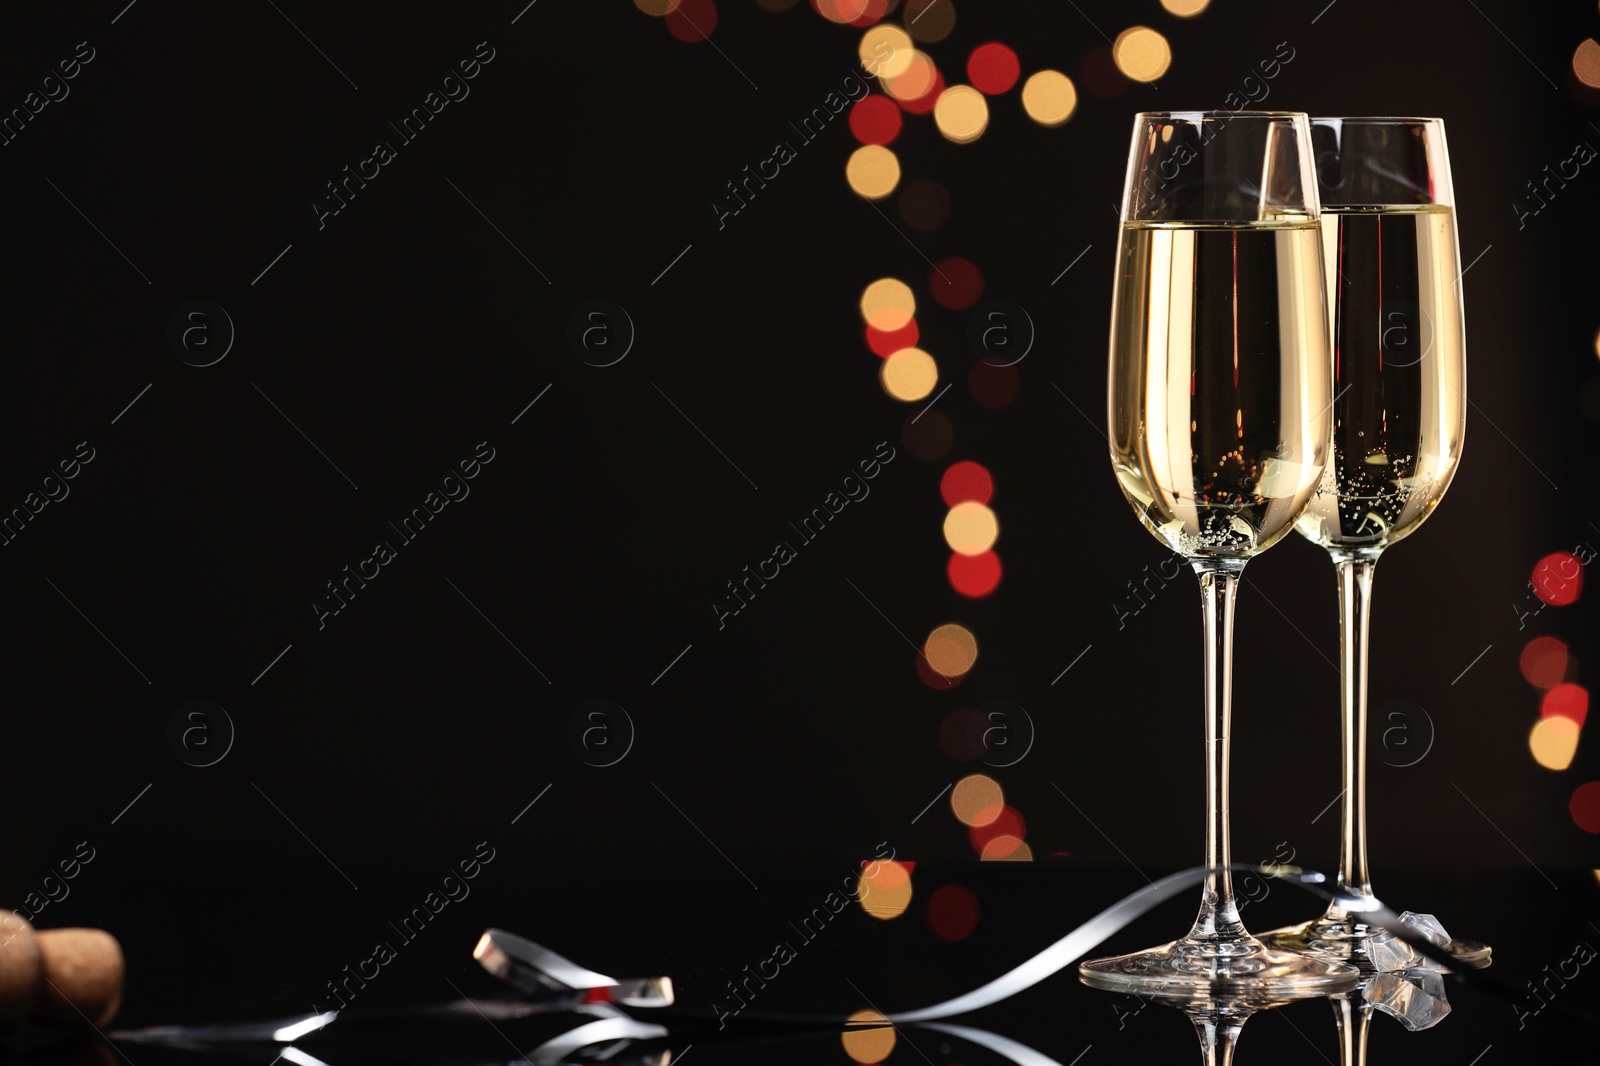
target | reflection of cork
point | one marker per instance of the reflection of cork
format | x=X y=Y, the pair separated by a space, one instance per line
x=65 y=976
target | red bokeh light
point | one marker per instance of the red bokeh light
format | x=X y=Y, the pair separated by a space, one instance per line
x=993 y=386
x=1585 y=807
x=924 y=103
x=993 y=68
x=956 y=283
x=961 y=734
x=1008 y=823
x=953 y=912
x=1099 y=74
x=965 y=481
x=692 y=20
x=974 y=576
x=1569 y=701
x=1558 y=578
x=1544 y=662
x=885 y=342
x=841 y=10
x=875 y=119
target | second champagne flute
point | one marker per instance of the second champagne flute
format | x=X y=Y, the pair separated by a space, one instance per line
x=1218 y=405
x=1392 y=264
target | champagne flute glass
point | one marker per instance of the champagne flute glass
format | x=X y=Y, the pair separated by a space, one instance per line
x=1399 y=412
x=1218 y=403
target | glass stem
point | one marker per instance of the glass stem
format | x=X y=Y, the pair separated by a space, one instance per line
x=1355 y=602
x=1219 y=1035
x=1219 y=581
x=1351 y=1017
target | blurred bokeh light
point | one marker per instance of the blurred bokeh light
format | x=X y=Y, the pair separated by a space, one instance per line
x=909 y=375
x=1049 y=97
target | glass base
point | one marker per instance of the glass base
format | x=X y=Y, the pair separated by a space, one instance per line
x=1373 y=949
x=1238 y=968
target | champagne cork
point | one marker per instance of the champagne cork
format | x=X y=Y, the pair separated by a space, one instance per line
x=61 y=976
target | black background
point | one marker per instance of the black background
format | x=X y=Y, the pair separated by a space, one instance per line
x=380 y=749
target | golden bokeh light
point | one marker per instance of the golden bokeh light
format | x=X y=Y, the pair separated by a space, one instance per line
x=886 y=50
x=1185 y=8
x=1049 y=97
x=930 y=20
x=1141 y=53
x=1554 y=741
x=656 y=7
x=961 y=114
x=884 y=890
x=888 y=304
x=870 y=1038
x=909 y=375
x=977 y=800
x=951 y=649
x=971 y=528
x=1597 y=344
x=914 y=81
x=1006 y=848
x=1586 y=63
x=873 y=171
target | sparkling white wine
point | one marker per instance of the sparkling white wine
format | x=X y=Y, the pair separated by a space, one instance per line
x=1219 y=381
x=1399 y=374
